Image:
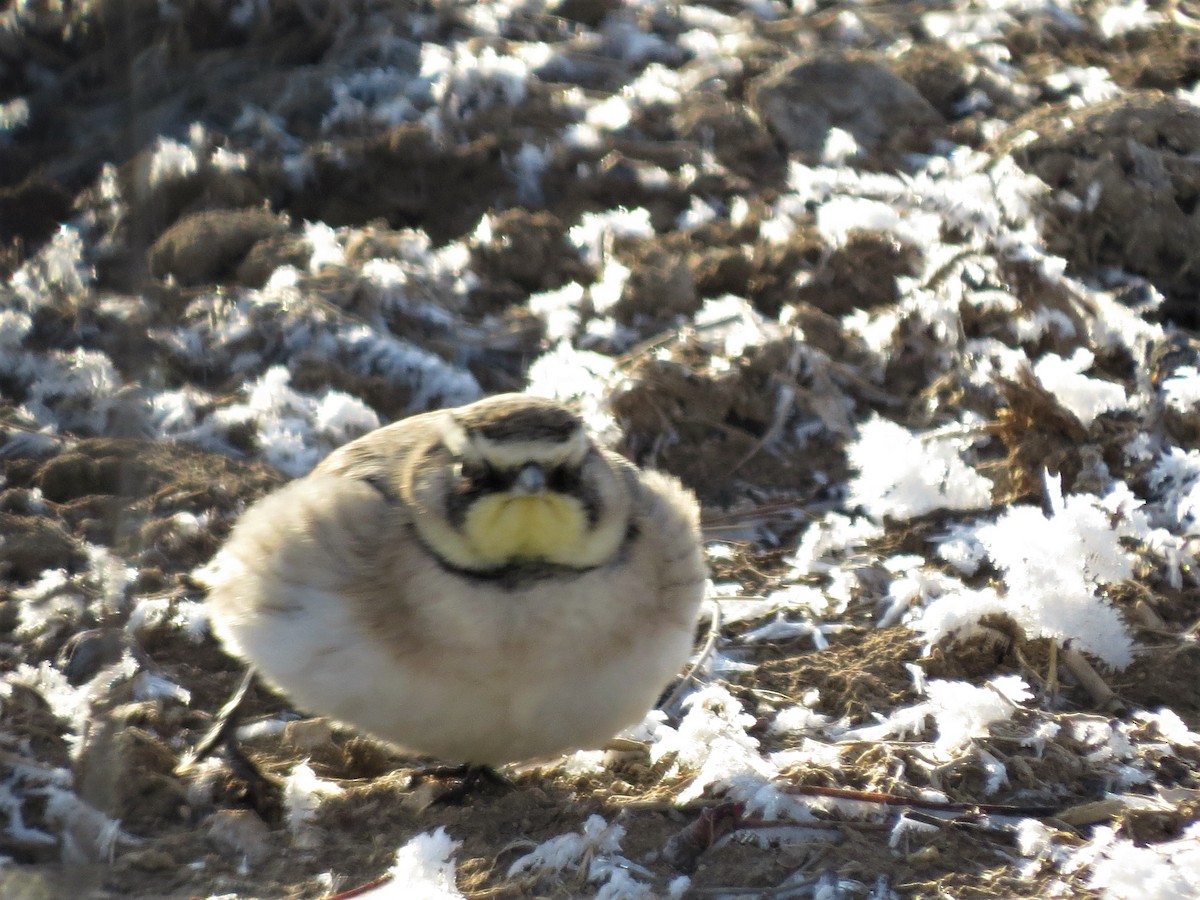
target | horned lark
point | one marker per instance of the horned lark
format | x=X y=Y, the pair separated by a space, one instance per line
x=481 y=585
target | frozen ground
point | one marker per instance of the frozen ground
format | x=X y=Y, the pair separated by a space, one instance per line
x=906 y=292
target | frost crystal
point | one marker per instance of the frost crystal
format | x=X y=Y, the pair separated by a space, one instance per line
x=297 y=430
x=961 y=711
x=302 y=795
x=1182 y=389
x=568 y=850
x=594 y=853
x=901 y=476
x=424 y=870
x=465 y=81
x=712 y=741
x=171 y=160
x=1052 y=567
x=1175 y=480
x=1086 y=397
x=1165 y=871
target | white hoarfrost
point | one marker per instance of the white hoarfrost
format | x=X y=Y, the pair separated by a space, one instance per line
x=901 y=476
x=390 y=307
x=592 y=856
x=712 y=746
x=1054 y=567
x=1086 y=397
x=424 y=870
x=297 y=430
x=961 y=713
x=303 y=793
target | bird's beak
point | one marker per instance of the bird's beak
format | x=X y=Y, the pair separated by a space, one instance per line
x=530 y=480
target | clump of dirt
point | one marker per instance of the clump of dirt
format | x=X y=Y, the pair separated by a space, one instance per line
x=983 y=654
x=1164 y=677
x=766 y=273
x=210 y=246
x=157 y=198
x=661 y=289
x=1039 y=436
x=527 y=253
x=268 y=254
x=127 y=772
x=677 y=402
x=739 y=139
x=801 y=100
x=405 y=177
x=29 y=213
x=860 y=275
x=189 y=141
x=943 y=75
x=1126 y=164
x=33 y=544
x=125 y=493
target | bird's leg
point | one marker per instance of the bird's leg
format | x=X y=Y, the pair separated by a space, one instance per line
x=223 y=728
x=261 y=790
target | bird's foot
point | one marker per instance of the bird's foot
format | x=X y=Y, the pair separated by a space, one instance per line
x=471 y=779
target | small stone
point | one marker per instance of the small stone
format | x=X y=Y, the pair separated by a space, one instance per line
x=239 y=834
x=149 y=860
x=308 y=735
x=800 y=100
x=422 y=796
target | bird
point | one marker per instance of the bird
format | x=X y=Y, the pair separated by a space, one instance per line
x=482 y=585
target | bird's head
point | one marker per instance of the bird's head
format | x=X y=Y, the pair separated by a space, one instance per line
x=513 y=479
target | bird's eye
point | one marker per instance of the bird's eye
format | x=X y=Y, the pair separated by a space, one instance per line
x=563 y=479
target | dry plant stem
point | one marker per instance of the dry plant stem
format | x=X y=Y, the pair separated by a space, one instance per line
x=883 y=799
x=1150 y=617
x=815 y=825
x=1104 y=696
x=782 y=891
x=14 y=760
x=1052 y=675
x=975 y=826
x=783 y=406
x=717 y=525
x=1093 y=813
x=1028 y=669
x=665 y=337
x=362 y=889
x=685 y=847
x=1193 y=630
x=869 y=391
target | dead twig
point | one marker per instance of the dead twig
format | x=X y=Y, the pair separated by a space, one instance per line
x=361 y=889
x=784 y=401
x=884 y=799
x=1104 y=696
x=1052 y=674
x=684 y=849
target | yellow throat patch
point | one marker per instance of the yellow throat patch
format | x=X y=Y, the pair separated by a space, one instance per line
x=506 y=527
